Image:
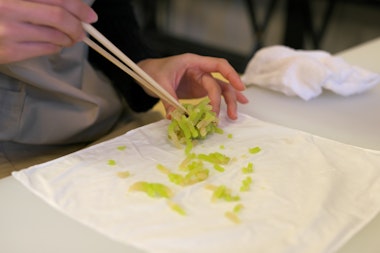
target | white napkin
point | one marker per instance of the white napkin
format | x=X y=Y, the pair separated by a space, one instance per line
x=308 y=195
x=305 y=73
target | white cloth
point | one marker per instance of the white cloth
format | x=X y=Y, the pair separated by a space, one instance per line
x=309 y=194
x=305 y=73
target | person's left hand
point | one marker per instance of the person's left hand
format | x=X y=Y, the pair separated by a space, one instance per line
x=189 y=76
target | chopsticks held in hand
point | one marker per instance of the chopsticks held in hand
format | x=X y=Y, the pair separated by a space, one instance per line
x=127 y=65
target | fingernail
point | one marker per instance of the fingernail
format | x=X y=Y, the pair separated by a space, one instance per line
x=92 y=16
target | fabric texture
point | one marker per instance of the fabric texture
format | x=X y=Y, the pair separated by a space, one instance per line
x=62 y=99
x=15 y=156
x=306 y=73
x=308 y=194
x=54 y=105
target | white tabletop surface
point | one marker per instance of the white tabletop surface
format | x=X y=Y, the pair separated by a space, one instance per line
x=27 y=224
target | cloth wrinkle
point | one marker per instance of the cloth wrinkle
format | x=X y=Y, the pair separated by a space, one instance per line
x=306 y=73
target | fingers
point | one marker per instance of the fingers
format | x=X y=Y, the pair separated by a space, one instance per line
x=63 y=15
x=22 y=51
x=216 y=89
x=24 y=32
x=213 y=90
x=168 y=109
x=30 y=28
x=77 y=8
x=231 y=92
x=231 y=97
x=189 y=76
x=219 y=65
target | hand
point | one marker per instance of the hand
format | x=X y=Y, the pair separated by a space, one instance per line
x=189 y=76
x=30 y=28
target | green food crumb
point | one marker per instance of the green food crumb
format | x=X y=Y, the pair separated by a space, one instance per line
x=229 y=136
x=246 y=184
x=248 y=169
x=154 y=190
x=176 y=207
x=194 y=165
x=189 y=157
x=232 y=216
x=192 y=177
x=123 y=174
x=111 y=162
x=218 y=167
x=121 y=148
x=254 y=150
x=222 y=146
x=200 y=122
x=215 y=158
x=163 y=169
x=238 y=208
x=224 y=193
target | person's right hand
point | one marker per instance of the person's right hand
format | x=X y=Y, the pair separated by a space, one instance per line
x=30 y=28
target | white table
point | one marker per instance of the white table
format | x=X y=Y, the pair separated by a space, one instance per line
x=27 y=224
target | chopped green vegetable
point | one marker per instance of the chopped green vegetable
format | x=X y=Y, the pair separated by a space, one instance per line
x=196 y=175
x=224 y=193
x=121 y=148
x=218 y=167
x=192 y=177
x=254 y=150
x=111 y=162
x=194 y=165
x=210 y=187
x=189 y=146
x=246 y=184
x=200 y=122
x=154 y=190
x=123 y=174
x=232 y=216
x=176 y=179
x=238 y=208
x=215 y=158
x=176 y=207
x=163 y=169
x=186 y=161
x=248 y=169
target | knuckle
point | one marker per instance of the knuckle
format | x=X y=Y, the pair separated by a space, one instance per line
x=66 y=24
x=58 y=38
x=7 y=32
x=3 y=33
x=6 y=54
x=222 y=61
x=77 y=34
x=188 y=55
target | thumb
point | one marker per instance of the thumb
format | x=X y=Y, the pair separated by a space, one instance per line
x=168 y=109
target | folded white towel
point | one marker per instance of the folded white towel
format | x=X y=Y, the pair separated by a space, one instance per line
x=305 y=73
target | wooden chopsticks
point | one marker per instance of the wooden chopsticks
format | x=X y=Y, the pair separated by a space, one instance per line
x=127 y=65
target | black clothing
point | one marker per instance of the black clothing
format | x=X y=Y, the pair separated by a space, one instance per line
x=117 y=21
